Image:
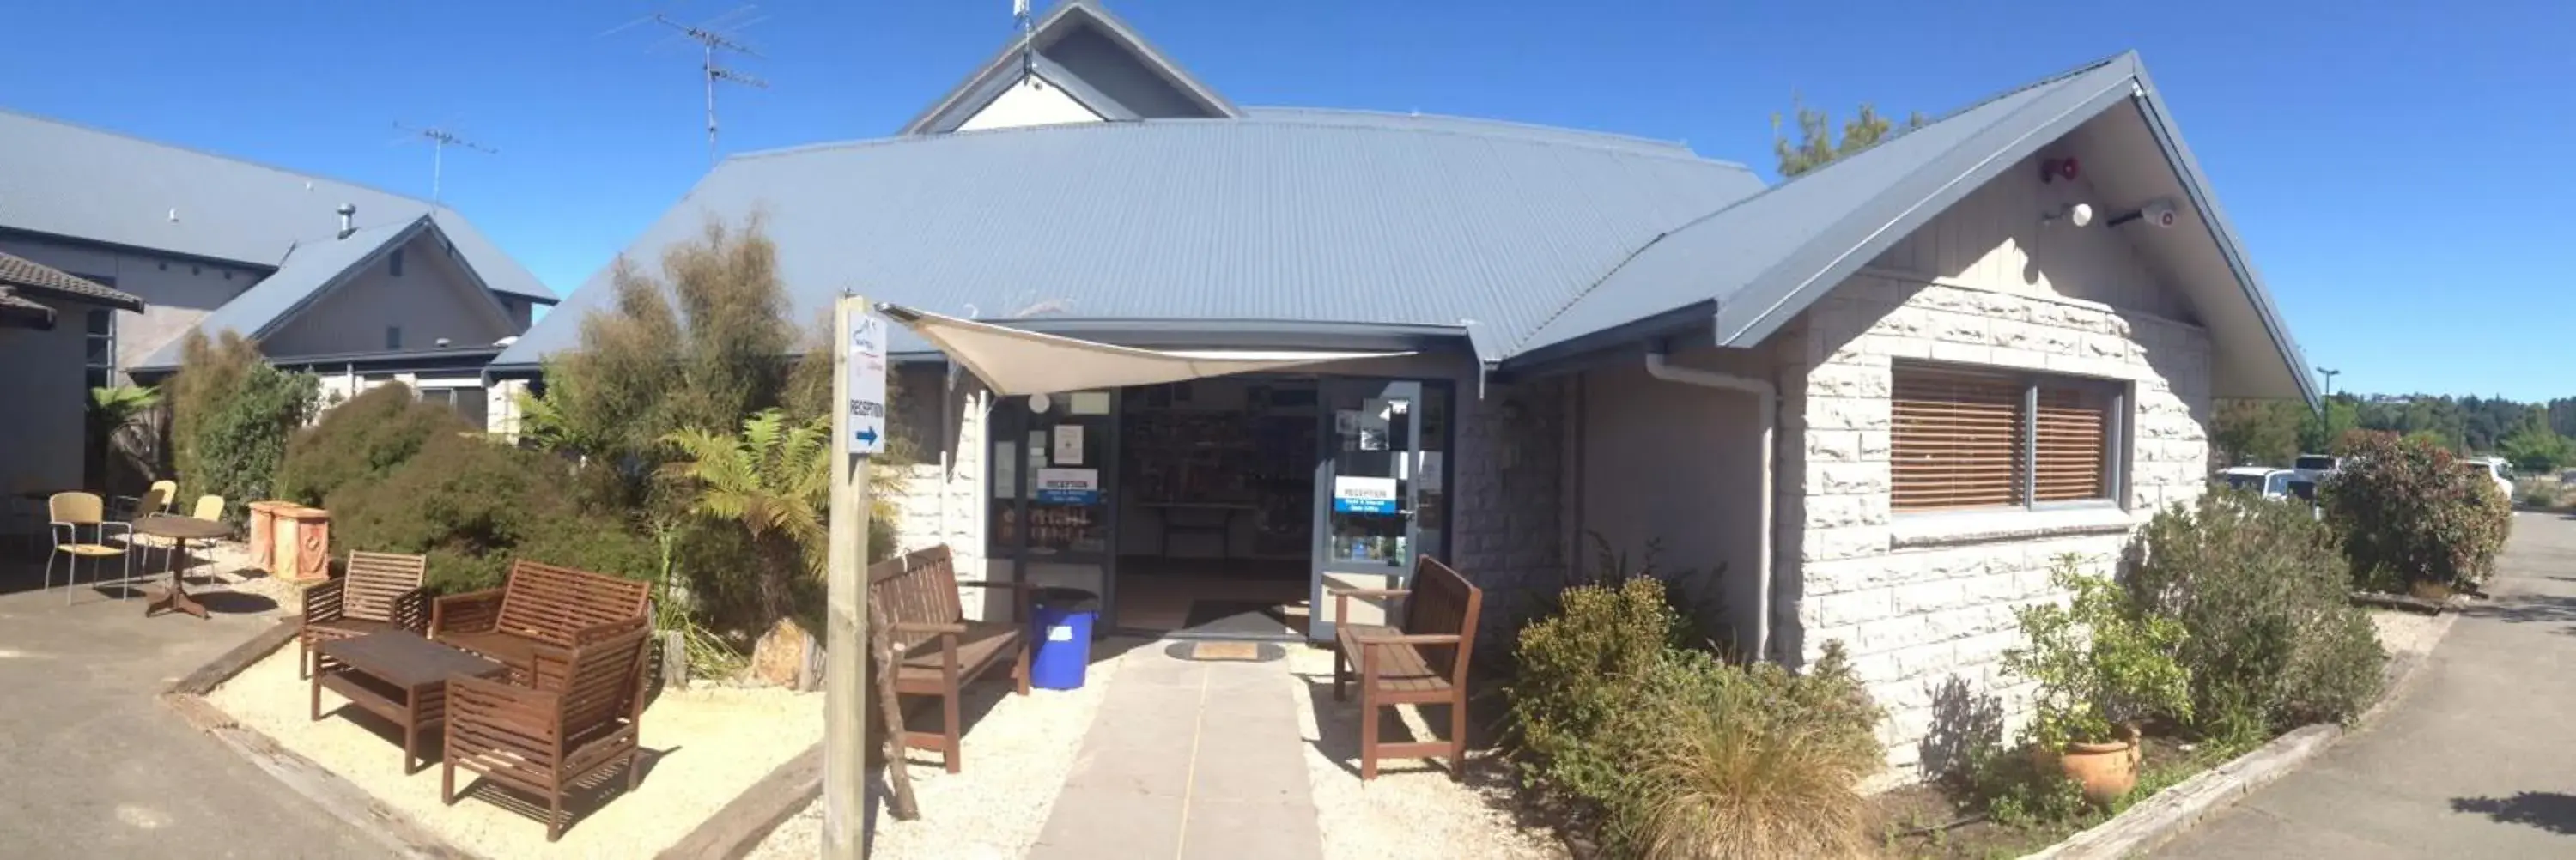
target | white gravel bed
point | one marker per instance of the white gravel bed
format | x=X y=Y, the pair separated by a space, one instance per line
x=1018 y=756
x=1413 y=809
x=2402 y=632
x=715 y=742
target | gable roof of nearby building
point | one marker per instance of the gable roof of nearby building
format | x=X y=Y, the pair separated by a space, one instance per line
x=1754 y=265
x=22 y=275
x=66 y=180
x=309 y=273
x=1366 y=219
x=1069 y=19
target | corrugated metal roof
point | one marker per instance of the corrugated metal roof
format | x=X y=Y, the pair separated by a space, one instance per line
x=32 y=276
x=68 y=180
x=1748 y=257
x=309 y=272
x=1240 y=219
x=1471 y=125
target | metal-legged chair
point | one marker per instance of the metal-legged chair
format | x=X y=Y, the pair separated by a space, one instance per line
x=68 y=513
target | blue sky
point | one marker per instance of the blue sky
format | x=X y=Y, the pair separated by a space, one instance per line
x=2394 y=168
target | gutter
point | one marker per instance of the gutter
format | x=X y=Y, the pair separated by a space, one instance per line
x=1769 y=397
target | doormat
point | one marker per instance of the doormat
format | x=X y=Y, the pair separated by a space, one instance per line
x=1218 y=619
x=1225 y=652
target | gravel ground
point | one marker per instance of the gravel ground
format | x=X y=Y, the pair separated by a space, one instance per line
x=1412 y=809
x=714 y=742
x=1018 y=756
x=2406 y=632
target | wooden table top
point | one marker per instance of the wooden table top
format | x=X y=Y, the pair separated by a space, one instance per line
x=404 y=659
x=184 y=528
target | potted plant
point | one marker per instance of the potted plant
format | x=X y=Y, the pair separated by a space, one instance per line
x=2101 y=666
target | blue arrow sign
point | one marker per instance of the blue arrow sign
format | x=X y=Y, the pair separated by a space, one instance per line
x=867 y=436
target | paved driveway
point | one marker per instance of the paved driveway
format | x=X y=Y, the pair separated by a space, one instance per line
x=2478 y=761
x=91 y=765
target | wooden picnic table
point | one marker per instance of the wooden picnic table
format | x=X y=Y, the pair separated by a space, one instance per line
x=180 y=530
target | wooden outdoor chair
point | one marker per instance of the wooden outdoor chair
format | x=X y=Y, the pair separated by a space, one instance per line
x=377 y=591
x=541 y=605
x=67 y=514
x=937 y=649
x=1422 y=660
x=579 y=718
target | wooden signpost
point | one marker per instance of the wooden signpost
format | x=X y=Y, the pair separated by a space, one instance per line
x=858 y=431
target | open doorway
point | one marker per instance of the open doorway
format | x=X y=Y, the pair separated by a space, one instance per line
x=1217 y=507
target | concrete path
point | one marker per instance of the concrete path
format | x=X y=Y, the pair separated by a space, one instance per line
x=1188 y=760
x=96 y=767
x=2479 y=760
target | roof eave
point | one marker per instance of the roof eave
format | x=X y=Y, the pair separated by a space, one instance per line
x=1002 y=70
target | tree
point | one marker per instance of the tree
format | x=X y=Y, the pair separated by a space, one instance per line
x=2256 y=432
x=1817 y=146
x=2320 y=430
x=230 y=416
x=2534 y=447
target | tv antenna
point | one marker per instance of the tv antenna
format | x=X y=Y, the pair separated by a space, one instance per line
x=439 y=140
x=715 y=37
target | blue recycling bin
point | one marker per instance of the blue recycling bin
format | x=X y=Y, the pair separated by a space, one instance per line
x=1061 y=626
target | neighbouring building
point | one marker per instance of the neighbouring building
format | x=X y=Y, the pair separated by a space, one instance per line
x=1210 y=360
x=359 y=284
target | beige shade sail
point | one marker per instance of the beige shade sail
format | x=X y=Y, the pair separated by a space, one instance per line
x=1015 y=362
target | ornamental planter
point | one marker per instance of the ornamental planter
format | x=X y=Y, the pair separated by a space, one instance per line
x=299 y=546
x=2105 y=770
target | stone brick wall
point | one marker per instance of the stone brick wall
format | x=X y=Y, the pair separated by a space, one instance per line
x=942 y=495
x=1925 y=604
x=1507 y=506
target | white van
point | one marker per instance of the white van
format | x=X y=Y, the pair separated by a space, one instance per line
x=2496 y=470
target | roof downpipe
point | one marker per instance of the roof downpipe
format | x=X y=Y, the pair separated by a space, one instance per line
x=1768 y=395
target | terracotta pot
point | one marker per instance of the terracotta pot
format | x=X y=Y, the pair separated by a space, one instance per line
x=2105 y=770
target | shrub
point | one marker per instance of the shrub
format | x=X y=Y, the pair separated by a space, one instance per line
x=230 y=416
x=2261 y=586
x=2099 y=663
x=2537 y=493
x=360 y=442
x=1577 y=679
x=2409 y=516
x=474 y=506
x=1749 y=761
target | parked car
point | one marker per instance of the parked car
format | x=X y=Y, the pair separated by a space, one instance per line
x=2265 y=481
x=2316 y=467
x=2496 y=470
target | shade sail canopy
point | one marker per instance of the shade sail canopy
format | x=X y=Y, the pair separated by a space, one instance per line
x=1014 y=362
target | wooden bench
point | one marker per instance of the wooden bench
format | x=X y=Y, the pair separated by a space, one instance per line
x=1421 y=660
x=935 y=648
x=542 y=604
x=375 y=592
x=581 y=716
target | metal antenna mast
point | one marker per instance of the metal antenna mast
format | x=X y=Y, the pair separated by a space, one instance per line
x=709 y=42
x=439 y=140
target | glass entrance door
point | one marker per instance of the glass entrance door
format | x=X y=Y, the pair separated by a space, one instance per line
x=1366 y=486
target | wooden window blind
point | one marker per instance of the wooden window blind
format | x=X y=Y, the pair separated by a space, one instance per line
x=1969 y=439
x=1957 y=440
x=2073 y=440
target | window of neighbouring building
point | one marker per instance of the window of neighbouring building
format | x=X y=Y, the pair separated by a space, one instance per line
x=99 y=363
x=1973 y=438
x=393 y=266
x=393 y=337
x=468 y=402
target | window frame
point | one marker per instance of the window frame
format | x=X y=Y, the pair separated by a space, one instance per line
x=393 y=263
x=104 y=342
x=2116 y=426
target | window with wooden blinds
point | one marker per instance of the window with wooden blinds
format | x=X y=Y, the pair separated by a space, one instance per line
x=1957 y=440
x=1981 y=439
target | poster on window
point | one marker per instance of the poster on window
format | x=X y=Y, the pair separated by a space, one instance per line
x=1352 y=495
x=1006 y=469
x=1068 y=444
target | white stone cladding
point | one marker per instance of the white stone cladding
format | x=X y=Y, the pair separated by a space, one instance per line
x=1925 y=605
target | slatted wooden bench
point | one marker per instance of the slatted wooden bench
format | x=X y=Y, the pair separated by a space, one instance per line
x=1421 y=660
x=375 y=592
x=541 y=604
x=937 y=649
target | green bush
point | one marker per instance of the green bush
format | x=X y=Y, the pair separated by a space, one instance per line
x=2261 y=586
x=2410 y=517
x=2537 y=493
x=360 y=442
x=1576 y=683
x=1748 y=761
x=474 y=506
x=2100 y=664
x=230 y=416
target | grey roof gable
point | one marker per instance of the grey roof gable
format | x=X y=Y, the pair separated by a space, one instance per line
x=310 y=273
x=62 y=179
x=29 y=276
x=1752 y=266
x=1364 y=220
x=1071 y=19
